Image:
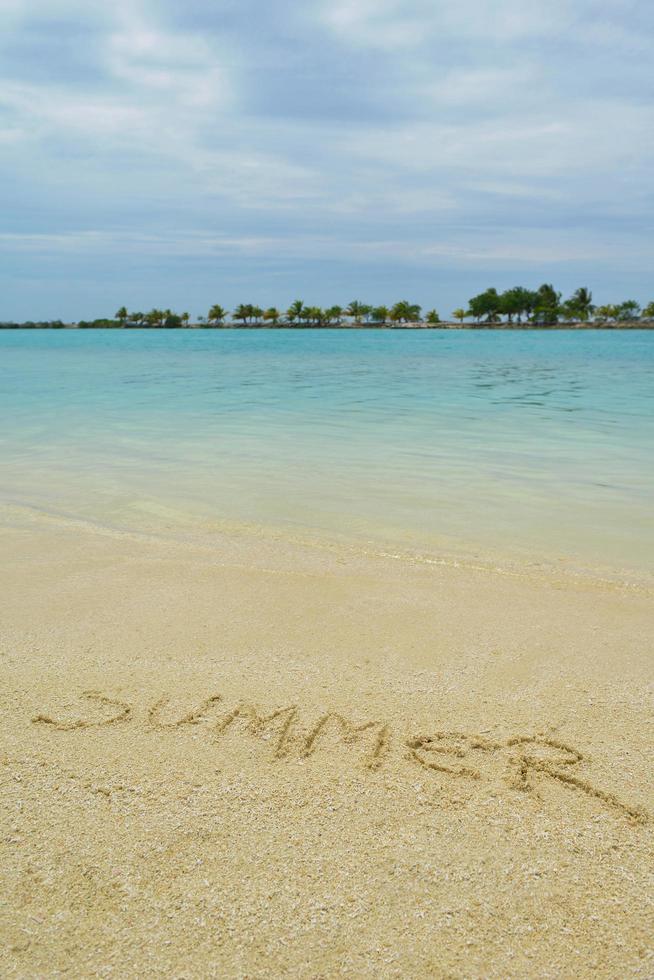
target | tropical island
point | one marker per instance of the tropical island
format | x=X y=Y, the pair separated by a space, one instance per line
x=516 y=308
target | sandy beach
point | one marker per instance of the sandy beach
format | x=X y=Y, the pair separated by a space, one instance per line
x=263 y=758
x=326 y=491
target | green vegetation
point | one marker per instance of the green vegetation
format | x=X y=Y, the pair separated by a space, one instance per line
x=380 y=314
x=272 y=316
x=298 y=314
x=518 y=306
x=545 y=307
x=33 y=325
x=216 y=314
x=629 y=310
x=405 y=312
x=101 y=324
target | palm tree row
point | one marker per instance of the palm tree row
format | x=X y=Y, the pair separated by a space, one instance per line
x=300 y=313
x=155 y=318
x=541 y=306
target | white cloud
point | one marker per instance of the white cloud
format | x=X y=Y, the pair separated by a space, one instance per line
x=168 y=95
x=152 y=74
x=566 y=143
x=400 y=23
x=408 y=131
x=467 y=247
x=378 y=23
x=43 y=111
x=181 y=69
x=494 y=87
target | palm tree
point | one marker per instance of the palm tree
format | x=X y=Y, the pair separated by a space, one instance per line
x=272 y=315
x=334 y=314
x=357 y=310
x=648 y=311
x=216 y=314
x=629 y=310
x=242 y=312
x=185 y=317
x=313 y=314
x=460 y=315
x=405 y=312
x=486 y=304
x=154 y=318
x=122 y=315
x=294 y=312
x=399 y=311
x=380 y=314
x=548 y=305
x=580 y=304
x=433 y=318
x=607 y=312
x=513 y=303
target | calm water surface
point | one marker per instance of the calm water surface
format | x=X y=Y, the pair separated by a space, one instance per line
x=522 y=443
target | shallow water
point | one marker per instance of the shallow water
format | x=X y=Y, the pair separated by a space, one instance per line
x=529 y=444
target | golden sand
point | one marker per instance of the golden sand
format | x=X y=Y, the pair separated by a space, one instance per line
x=261 y=759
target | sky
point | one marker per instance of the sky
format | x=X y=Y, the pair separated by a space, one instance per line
x=154 y=153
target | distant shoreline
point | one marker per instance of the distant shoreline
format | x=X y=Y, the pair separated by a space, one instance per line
x=635 y=325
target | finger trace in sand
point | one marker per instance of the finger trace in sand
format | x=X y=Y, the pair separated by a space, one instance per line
x=525 y=756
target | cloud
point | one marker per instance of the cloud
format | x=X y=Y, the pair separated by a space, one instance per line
x=182 y=69
x=394 y=24
x=148 y=77
x=412 y=132
x=469 y=247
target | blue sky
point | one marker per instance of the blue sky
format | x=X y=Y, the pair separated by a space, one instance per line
x=157 y=153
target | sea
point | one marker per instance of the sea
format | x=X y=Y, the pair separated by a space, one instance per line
x=526 y=446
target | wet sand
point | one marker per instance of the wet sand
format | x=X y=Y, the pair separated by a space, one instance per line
x=266 y=759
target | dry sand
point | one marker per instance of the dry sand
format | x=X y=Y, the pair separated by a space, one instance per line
x=262 y=759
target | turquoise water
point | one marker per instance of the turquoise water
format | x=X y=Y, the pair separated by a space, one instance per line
x=523 y=443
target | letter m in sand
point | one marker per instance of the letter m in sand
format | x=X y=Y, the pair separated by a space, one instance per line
x=350 y=733
x=280 y=721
